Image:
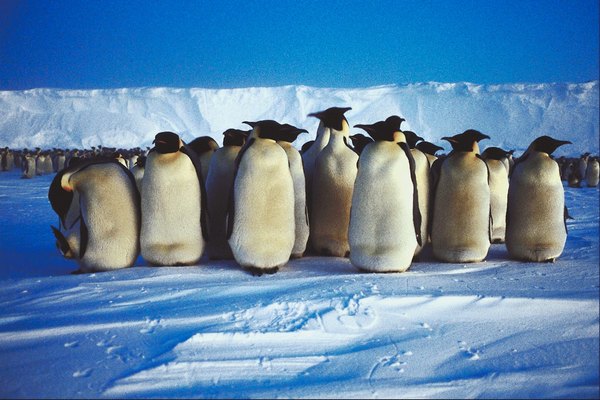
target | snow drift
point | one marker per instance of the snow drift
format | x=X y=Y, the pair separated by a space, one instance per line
x=509 y=113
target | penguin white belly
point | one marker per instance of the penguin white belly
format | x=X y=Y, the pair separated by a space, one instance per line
x=460 y=231
x=422 y=177
x=300 y=211
x=382 y=233
x=592 y=174
x=171 y=232
x=263 y=226
x=218 y=187
x=498 y=198
x=333 y=183
x=138 y=174
x=536 y=229
x=111 y=215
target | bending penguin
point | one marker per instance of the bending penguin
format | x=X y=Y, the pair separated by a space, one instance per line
x=98 y=206
x=385 y=220
x=174 y=217
x=494 y=158
x=460 y=224
x=261 y=228
x=287 y=135
x=536 y=229
x=218 y=187
x=332 y=186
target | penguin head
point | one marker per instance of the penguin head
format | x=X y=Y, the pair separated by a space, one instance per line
x=203 y=144
x=306 y=146
x=235 y=137
x=265 y=129
x=494 y=153
x=546 y=144
x=333 y=117
x=167 y=142
x=428 y=147
x=359 y=142
x=412 y=138
x=388 y=130
x=289 y=133
x=466 y=141
x=141 y=162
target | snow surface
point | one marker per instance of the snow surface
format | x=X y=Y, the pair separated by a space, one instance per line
x=318 y=328
x=511 y=114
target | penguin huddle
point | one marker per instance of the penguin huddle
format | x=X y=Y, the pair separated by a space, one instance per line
x=378 y=199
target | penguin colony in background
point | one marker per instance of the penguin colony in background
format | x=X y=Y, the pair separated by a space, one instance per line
x=378 y=198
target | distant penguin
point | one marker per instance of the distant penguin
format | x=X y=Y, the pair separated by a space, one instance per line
x=138 y=171
x=309 y=159
x=204 y=147
x=592 y=172
x=174 y=220
x=133 y=160
x=359 y=141
x=332 y=185
x=218 y=188
x=460 y=224
x=494 y=158
x=423 y=183
x=583 y=161
x=261 y=228
x=117 y=155
x=99 y=213
x=429 y=149
x=60 y=161
x=385 y=221
x=536 y=228
x=28 y=166
x=287 y=135
x=574 y=178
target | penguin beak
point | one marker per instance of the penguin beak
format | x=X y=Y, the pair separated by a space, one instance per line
x=449 y=139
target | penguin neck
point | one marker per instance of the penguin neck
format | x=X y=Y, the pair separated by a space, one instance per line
x=337 y=140
x=323 y=134
x=399 y=137
x=475 y=148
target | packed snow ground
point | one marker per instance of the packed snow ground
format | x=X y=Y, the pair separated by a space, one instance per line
x=318 y=328
x=509 y=113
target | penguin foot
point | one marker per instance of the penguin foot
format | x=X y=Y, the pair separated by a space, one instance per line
x=550 y=260
x=260 y=271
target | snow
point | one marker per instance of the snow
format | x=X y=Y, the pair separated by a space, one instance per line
x=318 y=328
x=509 y=113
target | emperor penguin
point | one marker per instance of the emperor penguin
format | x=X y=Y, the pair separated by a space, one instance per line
x=333 y=182
x=494 y=158
x=460 y=224
x=60 y=161
x=261 y=228
x=218 y=188
x=583 y=161
x=536 y=229
x=429 y=149
x=306 y=146
x=423 y=182
x=28 y=166
x=98 y=207
x=287 y=135
x=592 y=172
x=385 y=220
x=204 y=147
x=309 y=158
x=174 y=211
x=359 y=142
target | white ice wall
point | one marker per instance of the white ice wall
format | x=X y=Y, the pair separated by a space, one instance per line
x=512 y=114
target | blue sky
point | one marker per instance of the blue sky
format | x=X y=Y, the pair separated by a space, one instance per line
x=130 y=43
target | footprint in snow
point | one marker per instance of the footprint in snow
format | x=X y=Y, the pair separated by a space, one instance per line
x=150 y=326
x=82 y=373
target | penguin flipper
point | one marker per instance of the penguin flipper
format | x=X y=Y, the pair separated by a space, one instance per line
x=435 y=173
x=413 y=177
x=83 y=237
x=566 y=217
x=204 y=217
x=231 y=205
